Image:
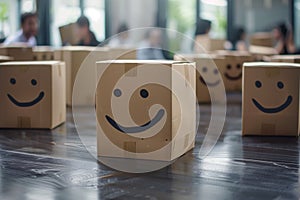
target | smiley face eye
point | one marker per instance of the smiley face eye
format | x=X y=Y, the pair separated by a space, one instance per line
x=258 y=84
x=12 y=81
x=144 y=93
x=238 y=66
x=216 y=71
x=117 y=92
x=228 y=67
x=204 y=69
x=280 y=85
x=33 y=82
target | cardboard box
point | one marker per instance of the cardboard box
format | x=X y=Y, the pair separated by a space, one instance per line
x=19 y=53
x=42 y=53
x=160 y=125
x=68 y=34
x=262 y=39
x=260 y=52
x=285 y=58
x=122 y=53
x=209 y=44
x=270 y=99
x=76 y=57
x=210 y=66
x=232 y=72
x=32 y=94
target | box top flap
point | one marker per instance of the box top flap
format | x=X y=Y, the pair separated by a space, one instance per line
x=289 y=57
x=35 y=63
x=166 y=62
x=271 y=64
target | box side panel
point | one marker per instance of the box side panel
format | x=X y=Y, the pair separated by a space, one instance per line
x=183 y=108
x=58 y=94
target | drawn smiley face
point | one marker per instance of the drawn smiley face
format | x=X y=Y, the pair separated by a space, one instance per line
x=207 y=74
x=135 y=129
x=233 y=72
x=272 y=110
x=34 y=101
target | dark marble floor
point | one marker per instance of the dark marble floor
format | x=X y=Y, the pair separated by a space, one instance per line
x=41 y=164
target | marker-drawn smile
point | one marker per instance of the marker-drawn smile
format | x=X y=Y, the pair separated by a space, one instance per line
x=208 y=83
x=26 y=104
x=233 y=78
x=273 y=110
x=136 y=129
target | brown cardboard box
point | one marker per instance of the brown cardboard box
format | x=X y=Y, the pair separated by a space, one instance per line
x=42 y=53
x=172 y=119
x=122 y=53
x=75 y=57
x=32 y=94
x=232 y=72
x=209 y=44
x=270 y=99
x=285 y=58
x=210 y=66
x=261 y=39
x=68 y=34
x=260 y=51
x=19 y=53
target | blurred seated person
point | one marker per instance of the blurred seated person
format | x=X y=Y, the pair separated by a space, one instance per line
x=86 y=36
x=122 y=37
x=239 y=41
x=203 y=28
x=284 y=39
x=150 y=48
x=29 y=29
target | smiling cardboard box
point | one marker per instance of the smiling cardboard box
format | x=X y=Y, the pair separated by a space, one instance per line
x=270 y=99
x=232 y=72
x=32 y=94
x=209 y=79
x=145 y=109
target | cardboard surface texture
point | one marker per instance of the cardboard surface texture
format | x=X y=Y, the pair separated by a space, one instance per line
x=68 y=34
x=122 y=53
x=271 y=99
x=32 y=94
x=19 y=53
x=209 y=44
x=156 y=123
x=85 y=57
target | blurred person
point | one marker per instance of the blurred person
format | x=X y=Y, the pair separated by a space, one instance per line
x=29 y=29
x=203 y=28
x=239 y=41
x=86 y=36
x=122 y=38
x=151 y=47
x=284 y=39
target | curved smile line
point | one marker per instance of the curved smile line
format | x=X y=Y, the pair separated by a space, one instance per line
x=26 y=104
x=273 y=110
x=233 y=78
x=136 y=129
x=209 y=84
